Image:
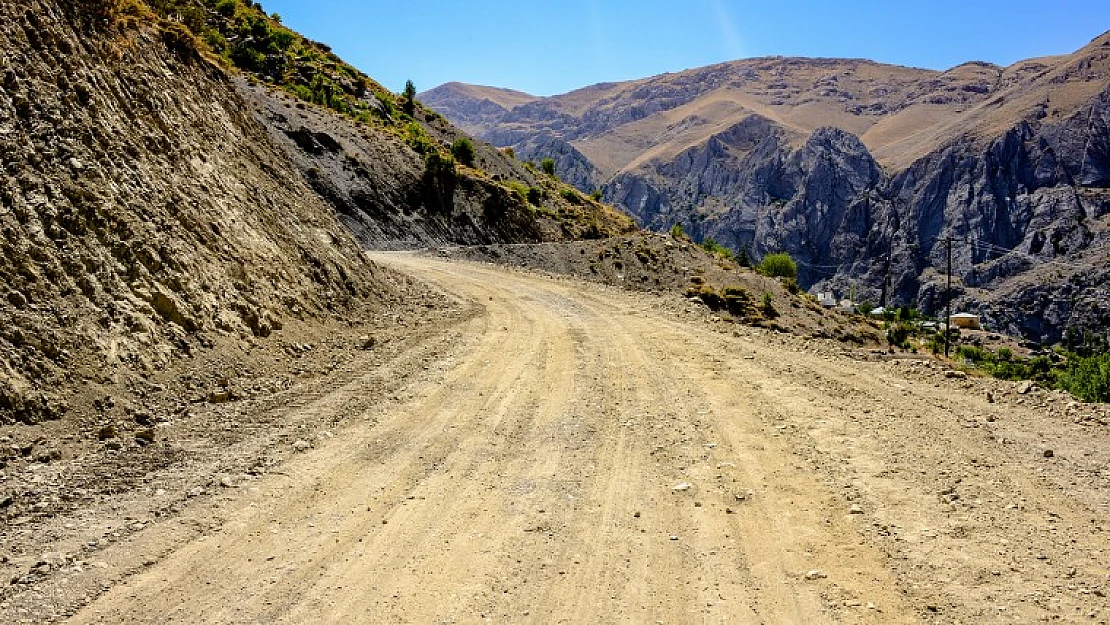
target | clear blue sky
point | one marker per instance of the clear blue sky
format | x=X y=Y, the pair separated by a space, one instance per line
x=552 y=47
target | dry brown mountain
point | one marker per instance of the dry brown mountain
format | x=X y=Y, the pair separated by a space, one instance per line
x=856 y=168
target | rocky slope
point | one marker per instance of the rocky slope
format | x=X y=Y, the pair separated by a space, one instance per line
x=386 y=194
x=144 y=212
x=857 y=169
x=163 y=190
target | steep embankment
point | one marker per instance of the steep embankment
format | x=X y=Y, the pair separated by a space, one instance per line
x=859 y=170
x=173 y=173
x=145 y=213
x=385 y=191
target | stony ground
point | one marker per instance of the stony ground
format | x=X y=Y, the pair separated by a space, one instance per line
x=547 y=450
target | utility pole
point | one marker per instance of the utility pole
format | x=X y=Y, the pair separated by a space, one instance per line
x=948 y=296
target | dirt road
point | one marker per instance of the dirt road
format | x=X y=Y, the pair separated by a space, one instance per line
x=585 y=455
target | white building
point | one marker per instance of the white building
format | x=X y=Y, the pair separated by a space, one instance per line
x=964 y=320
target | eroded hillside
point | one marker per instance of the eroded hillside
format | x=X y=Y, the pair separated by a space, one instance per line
x=144 y=212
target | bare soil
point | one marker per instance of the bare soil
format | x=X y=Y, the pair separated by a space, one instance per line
x=560 y=451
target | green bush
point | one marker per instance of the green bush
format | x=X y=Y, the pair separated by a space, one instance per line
x=596 y=195
x=227 y=8
x=463 y=151
x=439 y=167
x=779 y=265
x=520 y=190
x=677 y=232
x=716 y=249
x=935 y=343
x=418 y=140
x=216 y=41
x=1087 y=377
x=738 y=301
x=535 y=196
x=282 y=39
x=709 y=296
x=899 y=335
x=768 y=306
x=971 y=353
x=246 y=58
x=742 y=257
x=547 y=166
x=571 y=196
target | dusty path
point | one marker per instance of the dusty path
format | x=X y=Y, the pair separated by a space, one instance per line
x=583 y=456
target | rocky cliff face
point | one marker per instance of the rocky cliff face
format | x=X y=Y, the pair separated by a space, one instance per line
x=863 y=172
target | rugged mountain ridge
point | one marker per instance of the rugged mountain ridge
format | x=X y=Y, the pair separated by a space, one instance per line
x=859 y=170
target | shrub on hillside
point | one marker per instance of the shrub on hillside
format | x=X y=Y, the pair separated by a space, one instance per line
x=707 y=295
x=1087 y=377
x=419 y=140
x=571 y=196
x=779 y=265
x=716 y=249
x=439 y=167
x=547 y=166
x=519 y=190
x=535 y=196
x=226 y=8
x=738 y=301
x=768 y=306
x=898 y=335
x=463 y=151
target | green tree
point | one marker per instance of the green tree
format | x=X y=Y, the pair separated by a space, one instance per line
x=779 y=265
x=677 y=232
x=226 y=8
x=547 y=165
x=463 y=151
x=408 y=105
x=742 y=258
x=768 y=306
x=535 y=196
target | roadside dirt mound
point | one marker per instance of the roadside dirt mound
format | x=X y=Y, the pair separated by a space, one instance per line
x=654 y=262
